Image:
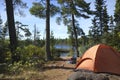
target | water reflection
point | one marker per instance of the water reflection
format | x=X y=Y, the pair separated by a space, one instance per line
x=64 y=48
x=63 y=54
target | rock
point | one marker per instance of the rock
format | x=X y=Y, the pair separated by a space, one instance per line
x=87 y=75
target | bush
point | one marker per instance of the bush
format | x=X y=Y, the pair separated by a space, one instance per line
x=24 y=57
x=30 y=53
x=71 y=53
x=5 y=53
x=30 y=57
x=54 y=53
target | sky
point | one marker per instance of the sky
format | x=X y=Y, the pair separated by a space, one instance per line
x=60 y=31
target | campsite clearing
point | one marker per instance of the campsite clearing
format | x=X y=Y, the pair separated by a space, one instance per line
x=54 y=70
x=61 y=70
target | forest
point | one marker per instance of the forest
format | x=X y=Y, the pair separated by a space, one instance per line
x=17 y=54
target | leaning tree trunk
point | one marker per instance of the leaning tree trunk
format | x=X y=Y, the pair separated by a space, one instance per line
x=11 y=26
x=75 y=34
x=48 y=54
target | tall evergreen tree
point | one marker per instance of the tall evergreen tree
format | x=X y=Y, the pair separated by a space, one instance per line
x=41 y=10
x=100 y=26
x=117 y=12
x=117 y=28
x=106 y=27
x=99 y=4
x=105 y=20
x=11 y=24
x=48 y=30
x=72 y=9
x=94 y=33
x=111 y=24
x=117 y=15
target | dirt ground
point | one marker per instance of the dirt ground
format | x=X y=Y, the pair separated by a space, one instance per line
x=53 y=70
x=58 y=70
x=61 y=70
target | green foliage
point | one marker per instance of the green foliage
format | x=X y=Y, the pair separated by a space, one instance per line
x=22 y=27
x=76 y=7
x=30 y=57
x=101 y=16
x=15 y=68
x=70 y=11
x=117 y=11
x=26 y=57
x=3 y=29
x=45 y=9
x=101 y=30
x=5 y=53
x=82 y=49
x=18 y=7
x=54 y=53
x=115 y=38
x=105 y=20
x=52 y=39
x=30 y=53
x=39 y=10
x=79 y=8
x=18 y=67
x=71 y=53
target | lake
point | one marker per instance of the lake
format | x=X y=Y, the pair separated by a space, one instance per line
x=64 y=47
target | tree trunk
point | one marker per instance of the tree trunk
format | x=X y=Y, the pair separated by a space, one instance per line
x=48 y=54
x=11 y=25
x=12 y=30
x=35 y=31
x=75 y=34
x=101 y=22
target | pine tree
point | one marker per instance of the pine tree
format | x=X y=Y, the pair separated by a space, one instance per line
x=117 y=15
x=106 y=27
x=105 y=20
x=11 y=24
x=45 y=11
x=111 y=24
x=99 y=4
x=117 y=27
x=100 y=28
x=117 y=12
x=72 y=9
x=94 y=33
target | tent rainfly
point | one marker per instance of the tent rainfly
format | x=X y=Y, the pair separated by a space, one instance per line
x=100 y=58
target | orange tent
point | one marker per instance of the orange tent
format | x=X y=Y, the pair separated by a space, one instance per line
x=100 y=58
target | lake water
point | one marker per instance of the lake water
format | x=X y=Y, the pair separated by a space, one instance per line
x=65 y=47
x=62 y=46
x=63 y=54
